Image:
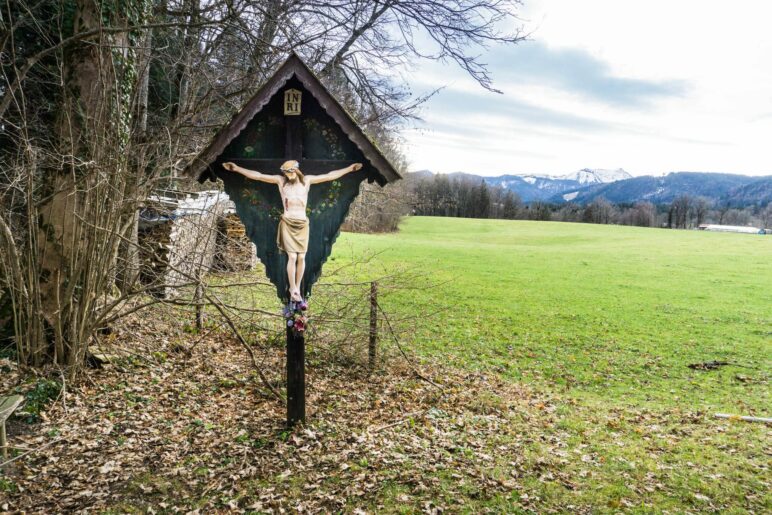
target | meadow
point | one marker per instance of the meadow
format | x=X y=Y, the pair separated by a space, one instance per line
x=609 y=313
x=605 y=320
x=562 y=350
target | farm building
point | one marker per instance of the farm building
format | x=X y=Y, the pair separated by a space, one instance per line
x=731 y=228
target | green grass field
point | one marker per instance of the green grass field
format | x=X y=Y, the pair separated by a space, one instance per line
x=604 y=320
x=607 y=312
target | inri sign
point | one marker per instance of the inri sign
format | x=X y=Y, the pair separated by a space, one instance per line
x=292 y=99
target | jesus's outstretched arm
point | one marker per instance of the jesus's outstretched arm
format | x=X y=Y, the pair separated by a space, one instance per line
x=335 y=174
x=251 y=174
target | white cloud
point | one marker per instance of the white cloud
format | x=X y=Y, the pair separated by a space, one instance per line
x=718 y=121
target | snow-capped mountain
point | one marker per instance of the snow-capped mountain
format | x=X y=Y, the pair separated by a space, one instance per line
x=541 y=187
x=534 y=187
x=584 y=176
x=587 y=176
x=732 y=189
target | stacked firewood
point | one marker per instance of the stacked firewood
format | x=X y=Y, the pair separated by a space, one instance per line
x=155 y=242
x=155 y=228
x=177 y=239
x=234 y=252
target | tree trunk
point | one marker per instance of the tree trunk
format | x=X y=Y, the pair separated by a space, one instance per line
x=80 y=222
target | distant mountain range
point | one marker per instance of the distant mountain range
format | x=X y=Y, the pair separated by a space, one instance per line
x=532 y=187
x=591 y=176
x=620 y=187
x=756 y=193
x=665 y=189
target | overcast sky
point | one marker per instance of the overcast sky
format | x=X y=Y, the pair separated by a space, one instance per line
x=649 y=86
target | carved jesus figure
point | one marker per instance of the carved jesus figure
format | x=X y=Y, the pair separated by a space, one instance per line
x=292 y=236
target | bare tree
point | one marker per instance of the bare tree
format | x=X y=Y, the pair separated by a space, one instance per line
x=765 y=215
x=102 y=105
x=599 y=211
x=678 y=214
x=66 y=179
x=644 y=214
x=378 y=209
x=512 y=205
x=700 y=207
x=735 y=216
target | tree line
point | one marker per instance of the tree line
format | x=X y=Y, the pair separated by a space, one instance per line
x=466 y=197
x=463 y=197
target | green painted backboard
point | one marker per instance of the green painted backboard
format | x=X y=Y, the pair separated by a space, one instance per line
x=262 y=146
x=321 y=135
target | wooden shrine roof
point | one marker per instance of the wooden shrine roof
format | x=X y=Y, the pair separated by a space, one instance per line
x=293 y=66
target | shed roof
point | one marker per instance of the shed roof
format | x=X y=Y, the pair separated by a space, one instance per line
x=293 y=66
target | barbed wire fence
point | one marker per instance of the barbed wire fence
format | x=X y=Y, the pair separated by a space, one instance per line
x=352 y=325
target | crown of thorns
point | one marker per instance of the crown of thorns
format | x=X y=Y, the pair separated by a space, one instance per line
x=290 y=166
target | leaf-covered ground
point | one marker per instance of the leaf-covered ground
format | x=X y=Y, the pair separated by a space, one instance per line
x=165 y=430
x=186 y=432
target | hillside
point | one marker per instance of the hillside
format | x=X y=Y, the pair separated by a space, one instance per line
x=619 y=187
x=757 y=193
x=661 y=190
x=532 y=187
x=538 y=187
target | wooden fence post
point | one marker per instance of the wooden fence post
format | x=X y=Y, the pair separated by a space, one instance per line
x=199 y=299
x=372 y=348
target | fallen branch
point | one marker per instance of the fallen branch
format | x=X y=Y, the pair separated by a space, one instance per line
x=410 y=416
x=401 y=421
x=244 y=343
x=762 y=420
x=402 y=351
x=713 y=365
x=20 y=456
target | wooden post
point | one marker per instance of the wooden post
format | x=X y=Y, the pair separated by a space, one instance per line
x=763 y=420
x=199 y=298
x=3 y=441
x=296 y=378
x=372 y=348
x=7 y=406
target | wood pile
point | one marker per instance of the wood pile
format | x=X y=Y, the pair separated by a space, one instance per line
x=234 y=252
x=154 y=237
x=178 y=239
x=154 y=247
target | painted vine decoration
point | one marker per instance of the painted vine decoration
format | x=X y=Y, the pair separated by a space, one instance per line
x=250 y=196
x=253 y=140
x=313 y=126
x=328 y=202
